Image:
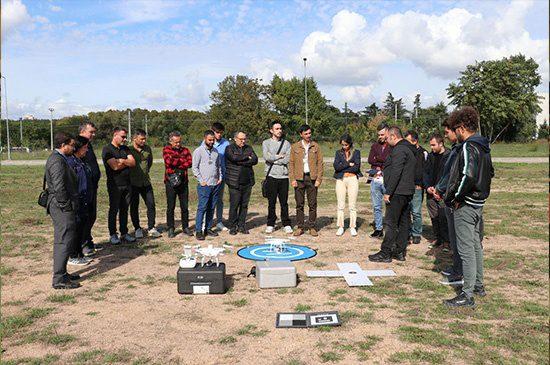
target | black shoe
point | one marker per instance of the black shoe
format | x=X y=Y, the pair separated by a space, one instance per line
x=188 y=231
x=200 y=236
x=480 y=291
x=233 y=231
x=67 y=285
x=210 y=232
x=378 y=233
x=73 y=277
x=243 y=230
x=399 y=256
x=171 y=233
x=416 y=240
x=372 y=224
x=461 y=300
x=380 y=257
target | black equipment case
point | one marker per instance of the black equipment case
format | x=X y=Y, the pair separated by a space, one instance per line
x=202 y=279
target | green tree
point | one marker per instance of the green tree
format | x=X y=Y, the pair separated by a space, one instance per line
x=390 y=105
x=543 y=131
x=287 y=99
x=503 y=92
x=241 y=103
x=370 y=111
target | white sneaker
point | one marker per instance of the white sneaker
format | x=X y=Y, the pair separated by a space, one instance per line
x=288 y=229
x=340 y=231
x=269 y=229
x=79 y=261
x=353 y=232
x=128 y=238
x=139 y=233
x=221 y=227
x=154 y=233
x=115 y=240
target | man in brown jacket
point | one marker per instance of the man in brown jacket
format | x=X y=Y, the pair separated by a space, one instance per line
x=305 y=171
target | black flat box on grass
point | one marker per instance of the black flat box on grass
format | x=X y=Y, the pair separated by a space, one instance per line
x=202 y=279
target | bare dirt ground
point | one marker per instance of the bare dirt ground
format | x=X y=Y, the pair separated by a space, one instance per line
x=128 y=309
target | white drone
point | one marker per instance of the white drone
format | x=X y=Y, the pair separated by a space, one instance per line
x=277 y=245
x=208 y=254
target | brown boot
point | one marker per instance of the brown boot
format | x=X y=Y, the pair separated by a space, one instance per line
x=298 y=232
x=313 y=232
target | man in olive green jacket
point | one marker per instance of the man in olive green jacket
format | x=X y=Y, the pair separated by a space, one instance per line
x=305 y=171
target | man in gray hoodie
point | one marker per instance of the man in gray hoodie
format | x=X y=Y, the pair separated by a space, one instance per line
x=276 y=153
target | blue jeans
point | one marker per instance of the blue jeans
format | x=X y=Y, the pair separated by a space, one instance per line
x=208 y=197
x=377 y=191
x=219 y=205
x=416 y=212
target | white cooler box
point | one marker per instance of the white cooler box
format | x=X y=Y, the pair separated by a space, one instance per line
x=275 y=274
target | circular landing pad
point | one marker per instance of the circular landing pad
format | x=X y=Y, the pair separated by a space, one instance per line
x=265 y=252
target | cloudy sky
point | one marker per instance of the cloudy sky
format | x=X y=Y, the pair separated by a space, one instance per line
x=85 y=55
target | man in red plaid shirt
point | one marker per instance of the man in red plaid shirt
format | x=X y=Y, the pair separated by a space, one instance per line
x=177 y=159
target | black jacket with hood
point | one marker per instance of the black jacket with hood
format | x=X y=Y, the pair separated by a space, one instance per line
x=399 y=169
x=471 y=173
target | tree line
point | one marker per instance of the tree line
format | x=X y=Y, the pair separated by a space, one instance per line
x=503 y=91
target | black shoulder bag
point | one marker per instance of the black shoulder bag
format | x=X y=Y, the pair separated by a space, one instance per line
x=175 y=179
x=43 y=197
x=264 y=183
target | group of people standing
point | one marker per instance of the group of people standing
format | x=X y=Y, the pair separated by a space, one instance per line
x=456 y=183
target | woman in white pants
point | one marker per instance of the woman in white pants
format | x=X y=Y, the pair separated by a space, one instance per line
x=347 y=171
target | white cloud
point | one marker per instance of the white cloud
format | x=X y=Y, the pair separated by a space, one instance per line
x=14 y=16
x=192 y=91
x=140 y=11
x=55 y=8
x=265 y=69
x=356 y=95
x=347 y=55
x=442 y=45
x=243 y=11
x=154 y=96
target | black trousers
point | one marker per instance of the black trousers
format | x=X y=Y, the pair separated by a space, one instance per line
x=182 y=193
x=305 y=188
x=92 y=215
x=79 y=242
x=436 y=210
x=146 y=192
x=277 y=188
x=238 y=205
x=396 y=224
x=119 y=201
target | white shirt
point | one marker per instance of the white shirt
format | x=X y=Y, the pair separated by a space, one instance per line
x=306 y=157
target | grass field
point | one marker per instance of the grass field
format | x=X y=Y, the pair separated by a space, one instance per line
x=128 y=310
x=533 y=149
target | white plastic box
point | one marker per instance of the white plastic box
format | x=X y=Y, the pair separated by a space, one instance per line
x=275 y=274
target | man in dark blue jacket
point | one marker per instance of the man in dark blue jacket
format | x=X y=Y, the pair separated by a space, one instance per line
x=418 y=197
x=468 y=188
x=399 y=185
x=453 y=273
x=88 y=130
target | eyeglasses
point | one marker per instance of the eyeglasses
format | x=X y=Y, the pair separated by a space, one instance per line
x=124 y=137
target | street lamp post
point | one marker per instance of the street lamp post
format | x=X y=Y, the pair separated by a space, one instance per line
x=7 y=117
x=21 y=131
x=305 y=83
x=51 y=127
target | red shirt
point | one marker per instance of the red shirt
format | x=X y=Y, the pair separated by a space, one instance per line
x=176 y=159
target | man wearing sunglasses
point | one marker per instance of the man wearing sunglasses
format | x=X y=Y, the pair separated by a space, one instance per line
x=118 y=160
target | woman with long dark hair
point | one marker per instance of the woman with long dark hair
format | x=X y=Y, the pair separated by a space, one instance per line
x=347 y=170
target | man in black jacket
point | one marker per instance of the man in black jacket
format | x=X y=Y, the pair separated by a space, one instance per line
x=88 y=130
x=468 y=188
x=435 y=166
x=399 y=171
x=239 y=177
x=416 y=202
x=61 y=206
